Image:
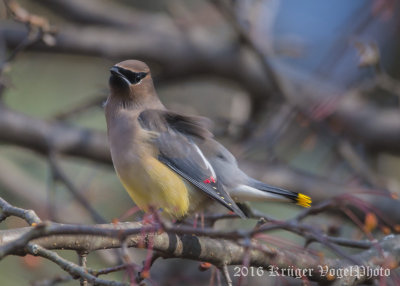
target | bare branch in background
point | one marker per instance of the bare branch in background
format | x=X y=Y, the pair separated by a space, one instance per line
x=376 y=128
x=45 y=137
x=60 y=175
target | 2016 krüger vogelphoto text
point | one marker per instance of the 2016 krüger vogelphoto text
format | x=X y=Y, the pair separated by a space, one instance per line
x=322 y=270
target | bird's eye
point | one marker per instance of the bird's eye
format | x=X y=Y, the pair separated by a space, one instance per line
x=133 y=77
x=139 y=76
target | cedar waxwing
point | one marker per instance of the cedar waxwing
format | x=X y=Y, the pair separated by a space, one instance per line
x=169 y=161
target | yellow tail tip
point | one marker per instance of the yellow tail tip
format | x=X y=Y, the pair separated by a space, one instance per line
x=303 y=200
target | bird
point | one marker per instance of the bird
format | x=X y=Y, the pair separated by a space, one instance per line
x=170 y=162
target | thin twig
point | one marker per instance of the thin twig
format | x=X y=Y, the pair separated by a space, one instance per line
x=108 y=270
x=225 y=272
x=73 y=269
x=82 y=263
x=60 y=175
x=8 y=210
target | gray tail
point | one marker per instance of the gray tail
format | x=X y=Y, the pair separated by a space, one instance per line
x=297 y=198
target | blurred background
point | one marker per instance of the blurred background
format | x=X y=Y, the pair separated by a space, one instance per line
x=304 y=93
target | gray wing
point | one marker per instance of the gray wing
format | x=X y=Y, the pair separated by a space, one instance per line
x=178 y=150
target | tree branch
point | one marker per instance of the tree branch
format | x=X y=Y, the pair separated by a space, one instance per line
x=377 y=128
x=45 y=137
x=8 y=210
x=197 y=247
x=72 y=268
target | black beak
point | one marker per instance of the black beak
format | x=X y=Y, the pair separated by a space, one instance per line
x=115 y=71
x=117 y=78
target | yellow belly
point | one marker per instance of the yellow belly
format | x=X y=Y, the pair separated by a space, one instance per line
x=152 y=184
